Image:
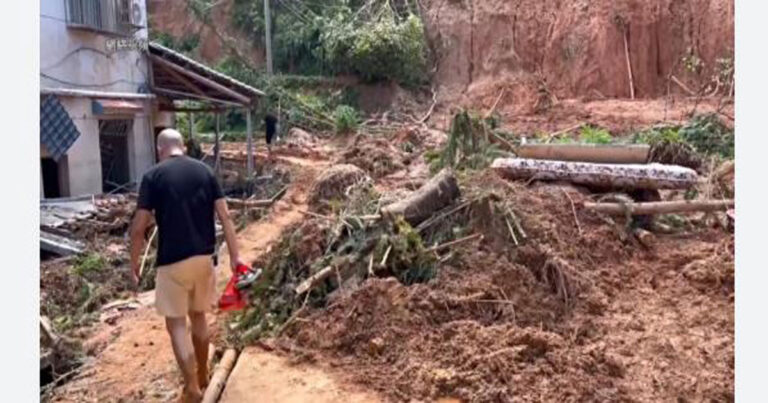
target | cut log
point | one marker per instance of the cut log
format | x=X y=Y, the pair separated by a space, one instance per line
x=314 y=280
x=607 y=154
x=59 y=245
x=437 y=193
x=220 y=375
x=660 y=207
x=615 y=176
x=646 y=238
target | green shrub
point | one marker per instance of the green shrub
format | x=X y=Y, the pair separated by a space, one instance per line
x=709 y=136
x=595 y=135
x=345 y=119
x=89 y=263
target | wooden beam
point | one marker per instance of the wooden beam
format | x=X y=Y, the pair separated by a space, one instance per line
x=188 y=95
x=183 y=80
x=206 y=81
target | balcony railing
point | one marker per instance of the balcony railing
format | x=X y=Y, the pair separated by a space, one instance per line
x=107 y=16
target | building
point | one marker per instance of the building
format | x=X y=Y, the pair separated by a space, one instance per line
x=105 y=93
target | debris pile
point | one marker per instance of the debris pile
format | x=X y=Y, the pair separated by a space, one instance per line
x=486 y=289
x=333 y=184
x=377 y=156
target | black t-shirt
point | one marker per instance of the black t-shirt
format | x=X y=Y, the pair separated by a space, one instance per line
x=182 y=192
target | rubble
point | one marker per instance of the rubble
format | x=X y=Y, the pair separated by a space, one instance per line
x=332 y=185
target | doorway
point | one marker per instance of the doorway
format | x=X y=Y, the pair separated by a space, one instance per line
x=113 y=145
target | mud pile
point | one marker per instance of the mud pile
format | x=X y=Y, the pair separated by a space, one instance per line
x=493 y=324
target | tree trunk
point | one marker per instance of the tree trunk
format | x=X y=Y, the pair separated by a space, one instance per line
x=660 y=207
x=437 y=193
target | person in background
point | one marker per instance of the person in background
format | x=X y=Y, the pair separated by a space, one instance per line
x=270 y=127
x=184 y=195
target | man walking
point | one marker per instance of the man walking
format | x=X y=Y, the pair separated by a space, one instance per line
x=183 y=194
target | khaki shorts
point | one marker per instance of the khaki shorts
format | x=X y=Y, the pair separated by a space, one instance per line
x=185 y=286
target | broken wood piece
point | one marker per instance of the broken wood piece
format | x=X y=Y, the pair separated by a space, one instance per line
x=386 y=255
x=220 y=375
x=47 y=331
x=620 y=176
x=146 y=251
x=455 y=242
x=599 y=153
x=682 y=86
x=237 y=203
x=60 y=245
x=563 y=131
x=646 y=238
x=435 y=219
x=437 y=193
x=314 y=280
x=370 y=266
x=629 y=63
x=517 y=223
x=666 y=207
x=495 y=103
x=511 y=231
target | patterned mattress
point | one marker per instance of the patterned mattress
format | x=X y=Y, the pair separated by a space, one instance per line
x=635 y=176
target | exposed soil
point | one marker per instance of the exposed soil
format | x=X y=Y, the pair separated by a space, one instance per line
x=640 y=325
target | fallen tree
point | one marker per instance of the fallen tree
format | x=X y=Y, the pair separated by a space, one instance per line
x=660 y=207
x=618 y=176
x=437 y=193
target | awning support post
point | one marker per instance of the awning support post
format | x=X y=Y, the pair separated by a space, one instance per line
x=217 y=163
x=249 y=136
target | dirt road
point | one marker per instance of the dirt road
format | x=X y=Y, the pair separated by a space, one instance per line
x=137 y=363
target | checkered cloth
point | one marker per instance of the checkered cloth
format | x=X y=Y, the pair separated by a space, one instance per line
x=57 y=131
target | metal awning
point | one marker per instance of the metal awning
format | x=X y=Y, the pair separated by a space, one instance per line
x=177 y=77
x=115 y=107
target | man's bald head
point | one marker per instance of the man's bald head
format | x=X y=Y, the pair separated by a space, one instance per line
x=169 y=142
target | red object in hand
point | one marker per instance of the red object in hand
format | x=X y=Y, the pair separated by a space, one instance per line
x=232 y=299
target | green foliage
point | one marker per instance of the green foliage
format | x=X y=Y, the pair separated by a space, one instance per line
x=692 y=62
x=667 y=134
x=345 y=119
x=381 y=41
x=709 y=136
x=380 y=50
x=89 y=263
x=468 y=144
x=595 y=135
x=185 y=45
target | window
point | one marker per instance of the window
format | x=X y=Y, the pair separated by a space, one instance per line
x=120 y=17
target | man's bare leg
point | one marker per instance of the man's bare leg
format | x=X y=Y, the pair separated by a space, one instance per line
x=200 y=342
x=185 y=357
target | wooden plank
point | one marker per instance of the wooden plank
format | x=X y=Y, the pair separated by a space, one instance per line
x=220 y=375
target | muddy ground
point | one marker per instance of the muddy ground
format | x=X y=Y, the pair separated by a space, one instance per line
x=638 y=324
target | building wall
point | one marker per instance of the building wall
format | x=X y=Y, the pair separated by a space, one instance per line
x=84 y=157
x=73 y=58
x=77 y=59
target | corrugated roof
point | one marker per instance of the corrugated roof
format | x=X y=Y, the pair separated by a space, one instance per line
x=178 y=58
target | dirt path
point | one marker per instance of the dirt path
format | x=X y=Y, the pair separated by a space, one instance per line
x=136 y=362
